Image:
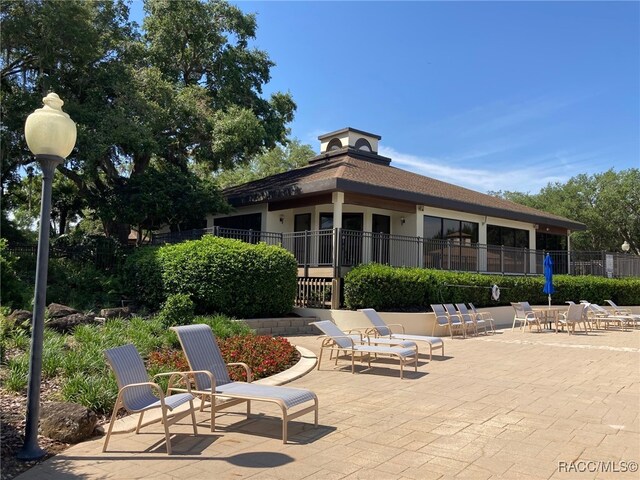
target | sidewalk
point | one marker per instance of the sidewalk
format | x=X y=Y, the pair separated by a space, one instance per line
x=514 y=405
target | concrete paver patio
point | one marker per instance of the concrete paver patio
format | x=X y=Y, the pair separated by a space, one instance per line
x=513 y=405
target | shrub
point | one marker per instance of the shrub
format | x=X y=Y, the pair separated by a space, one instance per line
x=177 y=310
x=265 y=356
x=219 y=274
x=15 y=292
x=142 y=276
x=390 y=288
x=224 y=327
x=17 y=373
x=97 y=392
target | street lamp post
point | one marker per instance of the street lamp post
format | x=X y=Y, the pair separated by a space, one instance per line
x=51 y=136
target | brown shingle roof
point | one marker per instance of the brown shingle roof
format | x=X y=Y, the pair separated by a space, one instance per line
x=352 y=171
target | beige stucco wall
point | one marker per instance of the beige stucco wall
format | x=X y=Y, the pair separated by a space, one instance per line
x=420 y=323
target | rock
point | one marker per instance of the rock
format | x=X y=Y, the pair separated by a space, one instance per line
x=19 y=316
x=66 y=324
x=122 y=312
x=56 y=310
x=67 y=422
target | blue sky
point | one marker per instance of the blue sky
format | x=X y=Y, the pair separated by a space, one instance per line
x=487 y=95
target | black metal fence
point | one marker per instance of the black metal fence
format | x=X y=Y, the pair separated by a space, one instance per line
x=347 y=248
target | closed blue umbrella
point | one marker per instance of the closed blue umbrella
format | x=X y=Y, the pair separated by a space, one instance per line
x=548 y=277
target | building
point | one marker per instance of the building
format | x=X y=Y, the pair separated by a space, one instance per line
x=349 y=205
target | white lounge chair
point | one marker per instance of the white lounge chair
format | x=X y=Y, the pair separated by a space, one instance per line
x=524 y=316
x=212 y=380
x=466 y=320
x=573 y=316
x=602 y=315
x=444 y=319
x=478 y=322
x=382 y=330
x=486 y=316
x=336 y=340
x=635 y=318
x=135 y=392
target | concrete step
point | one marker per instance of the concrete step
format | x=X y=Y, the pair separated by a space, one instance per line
x=283 y=326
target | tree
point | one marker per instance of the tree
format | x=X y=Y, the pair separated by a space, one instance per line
x=184 y=90
x=277 y=160
x=607 y=203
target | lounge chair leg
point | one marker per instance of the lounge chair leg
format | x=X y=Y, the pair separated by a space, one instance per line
x=116 y=407
x=166 y=430
x=193 y=418
x=320 y=357
x=248 y=408
x=139 y=422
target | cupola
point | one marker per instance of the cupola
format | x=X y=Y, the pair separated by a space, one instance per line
x=349 y=138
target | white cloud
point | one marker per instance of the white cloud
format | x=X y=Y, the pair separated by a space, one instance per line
x=530 y=176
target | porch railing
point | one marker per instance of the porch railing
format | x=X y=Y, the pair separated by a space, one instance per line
x=347 y=248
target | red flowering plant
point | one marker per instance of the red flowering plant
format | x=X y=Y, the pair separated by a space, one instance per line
x=265 y=356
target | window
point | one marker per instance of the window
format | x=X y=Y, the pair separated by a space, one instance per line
x=363 y=144
x=508 y=237
x=463 y=233
x=448 y=243
x=334 y=144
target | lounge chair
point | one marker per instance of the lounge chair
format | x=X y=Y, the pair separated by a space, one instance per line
x=336 y=340
x=635 y=318
x=477 y=322
x=601 y=315
x=382 y=331
x=573 y=316
x=212 y=380
x=444 y=319
x=486 y=316
x=135 y=392
x=466 y=320
x=524 y=316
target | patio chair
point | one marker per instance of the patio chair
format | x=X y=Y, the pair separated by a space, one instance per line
x=444 y=319
x=135 y=392
x=524 y=317
x=486 y=316
x=573 y=316
x=336 y=340
x=602 y=315
x=466 y=320
x=382 y=330
x=213 y=381
x=477 y=322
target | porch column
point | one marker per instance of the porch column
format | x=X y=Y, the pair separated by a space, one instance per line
x=533 y=258
x=337 y=198
x=419 y=260
x=482 y=245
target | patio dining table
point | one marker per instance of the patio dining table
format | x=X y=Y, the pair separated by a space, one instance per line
x=550 y=315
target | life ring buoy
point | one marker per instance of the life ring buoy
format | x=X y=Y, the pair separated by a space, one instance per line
x=495 y=292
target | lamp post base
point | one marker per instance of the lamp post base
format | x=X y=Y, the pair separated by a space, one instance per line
x=30 y=452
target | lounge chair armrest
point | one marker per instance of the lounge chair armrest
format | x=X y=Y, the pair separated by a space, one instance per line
x=172 y=378
x=246 y=368
x=389 y=325
x=145 y=384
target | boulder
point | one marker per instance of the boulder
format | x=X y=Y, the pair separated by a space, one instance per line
x=56 y=310
x=67 y=422
x=68 y=323
x=118 y=312
x=19 y=316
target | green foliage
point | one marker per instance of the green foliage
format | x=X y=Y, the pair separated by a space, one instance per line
x=15 y=292
x=220 y=275
x=96 y=392
x=389 y=288
x=223 y=326
x=17 y=373
x=142 y=277
x=184 y=88
x=177 y=310
x=607 y=203
x=277 y=160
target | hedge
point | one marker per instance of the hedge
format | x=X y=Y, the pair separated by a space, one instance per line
x=414 y=289
x=219 y=274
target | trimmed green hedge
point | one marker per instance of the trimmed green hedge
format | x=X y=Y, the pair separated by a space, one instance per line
x=414 y=289
x=219 y=274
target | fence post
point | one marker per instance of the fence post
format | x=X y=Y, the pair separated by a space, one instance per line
x=449 y=255
x=502 y=259
x=306 y=253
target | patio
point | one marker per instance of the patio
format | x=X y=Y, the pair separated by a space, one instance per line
x=513 y=405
